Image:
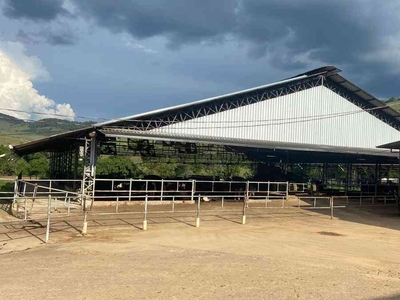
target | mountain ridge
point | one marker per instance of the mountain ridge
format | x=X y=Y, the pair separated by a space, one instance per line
x=15 y=131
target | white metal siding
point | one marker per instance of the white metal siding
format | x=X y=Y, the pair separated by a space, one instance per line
x=361 y=130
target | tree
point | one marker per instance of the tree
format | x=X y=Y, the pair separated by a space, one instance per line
x=7 y=164
x=38 y=165
x=117 y=167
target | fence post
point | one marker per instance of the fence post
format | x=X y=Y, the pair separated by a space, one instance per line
x=193 y=190
x=66 y=197
x=35 y=189
x=331 y=207
x=130 y=189
x=162 y=189
x=222 y=203
x=145 y=214
x=287 y=189
x=55 y=204
x=24 y=189
x=198 y=212
x=116 y=206
x=15 y=190
x=84 y=228
x=173 y=203
x=25 y=209
x=244 y=210
x=48 y=219
x=69 y=205
x=247 y=191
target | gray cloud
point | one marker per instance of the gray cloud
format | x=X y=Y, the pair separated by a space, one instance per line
x=359 y=36
x=180 y=21
x=38 y=10
x=341 y=32
x=53 y=37
x=60 y=38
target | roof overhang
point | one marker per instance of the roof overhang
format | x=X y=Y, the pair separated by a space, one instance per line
x=52 y=143
x=393 y=145
x=153 y=135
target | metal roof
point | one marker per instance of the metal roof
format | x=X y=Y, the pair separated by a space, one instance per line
x=331 y=72
x=152 y=135
x=177 y=107
x=54 y=142
x=393 y=145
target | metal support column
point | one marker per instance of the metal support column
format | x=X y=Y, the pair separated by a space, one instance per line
x=347 y=178
x=398 y=187
x=89 y=169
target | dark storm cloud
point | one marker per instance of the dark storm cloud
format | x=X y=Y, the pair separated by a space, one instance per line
x=337 y=32
x=329 y=31
x=180 y=21
x=38 y=10
x=355 y=35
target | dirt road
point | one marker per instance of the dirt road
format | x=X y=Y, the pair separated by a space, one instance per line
x=277 y=255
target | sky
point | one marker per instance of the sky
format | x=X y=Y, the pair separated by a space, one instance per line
x=110 y=59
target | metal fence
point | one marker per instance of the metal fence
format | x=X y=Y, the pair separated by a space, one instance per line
x=40 y=199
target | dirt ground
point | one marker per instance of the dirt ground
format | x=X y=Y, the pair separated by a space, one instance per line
x=278 y=254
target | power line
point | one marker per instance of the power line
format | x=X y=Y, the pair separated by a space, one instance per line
x=295 y=120
x=173 y=122
x=259 y=125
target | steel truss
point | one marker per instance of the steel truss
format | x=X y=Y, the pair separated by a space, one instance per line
x=353 y=98
x=228 y=103
x=205 y=109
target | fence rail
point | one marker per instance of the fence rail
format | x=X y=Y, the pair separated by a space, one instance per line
x=40 y=199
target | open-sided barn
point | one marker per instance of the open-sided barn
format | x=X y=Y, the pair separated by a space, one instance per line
x=317 y=117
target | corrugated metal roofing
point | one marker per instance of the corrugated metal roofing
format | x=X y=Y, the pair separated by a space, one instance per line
x=306 y=117
x=330 y=71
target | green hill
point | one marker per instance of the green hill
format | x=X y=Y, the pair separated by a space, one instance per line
x=15 y=131
x=394 y=103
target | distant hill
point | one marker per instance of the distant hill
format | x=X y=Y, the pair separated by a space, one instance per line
x=394 y=103
x=15 y=131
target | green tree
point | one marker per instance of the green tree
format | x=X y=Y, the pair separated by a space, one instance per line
x=117 y=167
x=21 y=166
x=38 y=165
x=6 y=163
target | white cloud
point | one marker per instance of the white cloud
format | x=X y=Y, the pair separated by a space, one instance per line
x=17 y=92
x=31 y=65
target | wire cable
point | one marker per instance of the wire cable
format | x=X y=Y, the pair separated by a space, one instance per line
x=173 y=122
